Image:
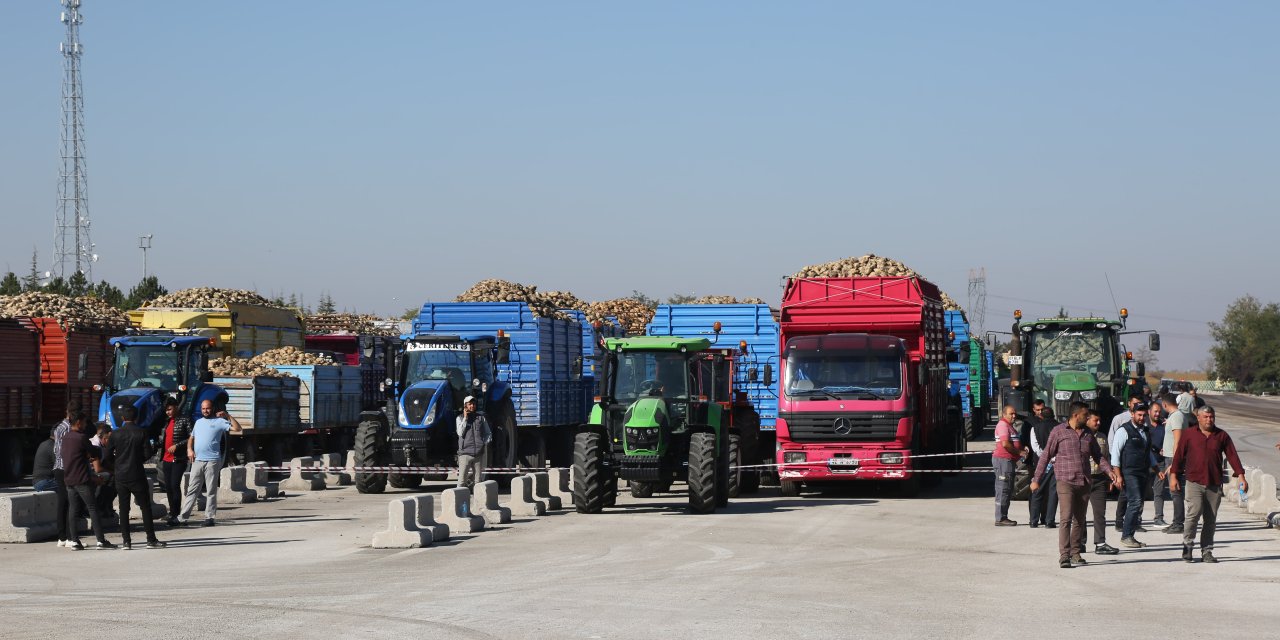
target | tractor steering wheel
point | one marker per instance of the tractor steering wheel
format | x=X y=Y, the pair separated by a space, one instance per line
x=649 y=386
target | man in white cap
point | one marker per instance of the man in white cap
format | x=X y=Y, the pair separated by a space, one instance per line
x=473 y=440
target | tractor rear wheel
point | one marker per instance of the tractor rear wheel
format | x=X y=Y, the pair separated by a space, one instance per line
x=702 y=472
x=735 y=463
x=589 y=482
x=640 y=489
x=369 y=454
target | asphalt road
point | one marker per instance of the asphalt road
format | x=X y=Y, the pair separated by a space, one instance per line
x=848 y=564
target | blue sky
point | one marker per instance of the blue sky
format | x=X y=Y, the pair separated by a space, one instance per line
x=395 y=152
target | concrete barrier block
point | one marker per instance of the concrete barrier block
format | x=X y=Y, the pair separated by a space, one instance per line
x=232 y=487
x=425 y=507
x=542 y=491
x=455 y=511
x=158 y=511
x=484 y=503
x=350 y=466
x=301 y=479
x=335 y=479
x=1265 y=501
x=259 y=480
x=560 y=486
x=22 y=517
x=522 y=501
x=402 y=530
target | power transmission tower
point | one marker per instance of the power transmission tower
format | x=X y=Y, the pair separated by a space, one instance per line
x=978 y=300
x=72 y=246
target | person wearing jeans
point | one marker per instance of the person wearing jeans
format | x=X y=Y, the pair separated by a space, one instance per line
x=204 y=447
x=1003 y=459
x=1131 y=454
x=78 y=457
x=1174 y=426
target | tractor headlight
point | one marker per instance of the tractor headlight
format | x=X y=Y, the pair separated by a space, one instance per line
x=1089 y=396
x=1061 y=395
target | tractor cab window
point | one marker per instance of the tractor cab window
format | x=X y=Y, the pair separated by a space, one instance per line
x=147 y=366
x=710 y=370
x=654 y=373
x=1071 y=349
x=844 y=368
x=447 y=361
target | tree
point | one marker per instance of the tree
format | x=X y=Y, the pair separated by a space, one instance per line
x=148 y=289
x=681 y=298
x=110 y=294
x=1246 y=346
x=409 y=314
x=326 y=304
x=78 y=284
x=57 y=285
x=32 y=281
x=10 y=286
x=1062 y=312
x=652 y=303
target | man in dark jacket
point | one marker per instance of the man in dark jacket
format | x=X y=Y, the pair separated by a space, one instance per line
x=1043 y=503
x=78 y=455
x=42 y=468
x=173 y=463
x=1131 y=454
x=473 y=439
x=128 y=448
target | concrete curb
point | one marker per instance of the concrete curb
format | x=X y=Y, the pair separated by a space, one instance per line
x=301 y=480
x=28 y=517
x=522 y=501
x=484 y=503
x=340 y=479
x=542 y=491
x=232 y=488
x=455 y=511
x=426 y=510
x=257 y=479
x=402 y=530
x=560 y=486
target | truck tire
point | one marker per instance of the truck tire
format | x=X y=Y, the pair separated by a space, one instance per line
x=369 y=454
x=790 y=488
x=533 y=449
x=641 y=489
x=971 y=427
x=506 y=439
x=589 y=481
x=735 y=461
x=404 y=480
x=703 y=479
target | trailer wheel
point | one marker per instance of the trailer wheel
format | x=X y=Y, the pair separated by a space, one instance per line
x=369 y=454
x=971 y=427
x=589 y=482
x=735 y=463
x=703 y=479
x=790 y=488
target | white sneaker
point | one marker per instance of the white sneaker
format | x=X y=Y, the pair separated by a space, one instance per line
x=62 y=543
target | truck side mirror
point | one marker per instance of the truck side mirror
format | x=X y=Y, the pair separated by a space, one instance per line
x=1153 y=342
x=83 y=373
x=768 y=374
x=753 y=374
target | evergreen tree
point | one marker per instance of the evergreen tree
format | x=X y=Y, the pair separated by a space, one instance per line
x=148 y=289
x=110 y=294
x=10 y=286
x=57 y=285
x=78 y=285
x=32 y=281
x=326 y=304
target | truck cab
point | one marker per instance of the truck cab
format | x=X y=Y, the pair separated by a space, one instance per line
x=150 y=366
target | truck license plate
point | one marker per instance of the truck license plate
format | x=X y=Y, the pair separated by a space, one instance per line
x=843 y=465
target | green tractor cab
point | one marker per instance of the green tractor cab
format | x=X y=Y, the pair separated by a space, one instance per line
x=653 y=425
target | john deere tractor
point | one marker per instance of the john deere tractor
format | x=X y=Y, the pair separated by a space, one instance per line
x=654 y=424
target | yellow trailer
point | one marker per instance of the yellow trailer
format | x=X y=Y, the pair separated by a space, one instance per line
x=244 y=330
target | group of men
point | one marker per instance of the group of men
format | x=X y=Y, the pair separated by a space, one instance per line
x=1169 y=445
x=82 y=469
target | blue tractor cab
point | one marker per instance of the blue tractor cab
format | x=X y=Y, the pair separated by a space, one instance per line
x=150 y=366
x=429 y=376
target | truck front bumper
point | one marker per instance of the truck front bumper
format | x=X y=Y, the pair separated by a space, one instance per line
x=835 y=462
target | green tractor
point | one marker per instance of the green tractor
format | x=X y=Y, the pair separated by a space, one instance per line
x=654 y=424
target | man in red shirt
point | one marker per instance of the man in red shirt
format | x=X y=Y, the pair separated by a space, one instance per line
x=1200 y=455
x=1007 y=452
x=174 y=462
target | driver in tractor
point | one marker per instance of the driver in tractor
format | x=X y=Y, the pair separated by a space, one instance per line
x=669 y=375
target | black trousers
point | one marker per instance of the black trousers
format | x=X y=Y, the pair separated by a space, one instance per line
x=1043 y=503
x=106 y=495
x=60 y=489
x=141 y=493
x=82 y=493
x=173 y=472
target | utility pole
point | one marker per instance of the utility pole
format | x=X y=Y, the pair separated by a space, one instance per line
x=978 y=300
x=144 y=243
x=72 y=246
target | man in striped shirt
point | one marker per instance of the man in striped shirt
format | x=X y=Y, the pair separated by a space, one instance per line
x=1072 y=447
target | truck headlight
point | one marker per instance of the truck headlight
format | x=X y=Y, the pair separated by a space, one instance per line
x=1061 y=395
x=891 y=458
x=1089 y=395
x=791 y=457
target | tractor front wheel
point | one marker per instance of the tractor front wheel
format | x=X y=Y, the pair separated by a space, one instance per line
x=368 y=454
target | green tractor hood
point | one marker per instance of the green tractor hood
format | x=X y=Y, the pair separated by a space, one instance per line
x=643 y=427
x=1074 y=381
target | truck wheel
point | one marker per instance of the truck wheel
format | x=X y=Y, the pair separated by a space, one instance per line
x=641 y=489
x=506 y=443
x=971 y=427
x=404 y=480
x=11 y=458
x=589 y=482
x=702 y=472
x=790 y=488
x=533 y=449
x=748 y=423
x=735 y=462
x=368 y=454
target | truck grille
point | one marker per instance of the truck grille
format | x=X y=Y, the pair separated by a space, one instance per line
x=843 y=427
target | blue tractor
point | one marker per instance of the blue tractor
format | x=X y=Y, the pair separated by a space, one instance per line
x=150 y=366
x=428 y=377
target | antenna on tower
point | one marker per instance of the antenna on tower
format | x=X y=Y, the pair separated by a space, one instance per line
x=72 y=246
x=978 y=300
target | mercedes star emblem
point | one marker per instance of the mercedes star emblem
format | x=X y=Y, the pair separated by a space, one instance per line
x=843 y=426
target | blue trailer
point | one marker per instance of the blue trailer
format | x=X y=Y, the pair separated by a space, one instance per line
x=749 y=337
x=524 y=371
x=958 y=376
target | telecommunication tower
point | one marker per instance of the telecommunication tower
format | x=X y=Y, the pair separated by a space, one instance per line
x=978 y=300
x=73 y=250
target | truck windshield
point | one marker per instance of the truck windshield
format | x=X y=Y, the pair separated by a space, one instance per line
x=656 y=373
x=844 y=374
x=1071 y=349
x=437 y=361
x=147 y=366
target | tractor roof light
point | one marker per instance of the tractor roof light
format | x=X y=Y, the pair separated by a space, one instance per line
x=501 y=334
x=951 y=335
x=1124 y=312
x=1017 y=314
x=1128 y=355
x=742 y=346
x=715 y=326
x=597 y=325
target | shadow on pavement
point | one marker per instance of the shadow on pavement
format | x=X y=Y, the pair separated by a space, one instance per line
x=220 y=542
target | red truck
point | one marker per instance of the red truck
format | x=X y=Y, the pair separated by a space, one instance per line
x=863 y=383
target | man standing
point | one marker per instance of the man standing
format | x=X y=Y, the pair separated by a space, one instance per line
x=1099 y=485
x=1043 y=502
x=205 y=448
x=1131 y=454
x=60 y=431
x=1074 y=448
x=1156 y=417
x=173 y=464
x=1122 y=501
x=78 y=455
x=473 y=438
x=1003 y=458
x=129 y=448
x=1174 y=426
x=1200 y=455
